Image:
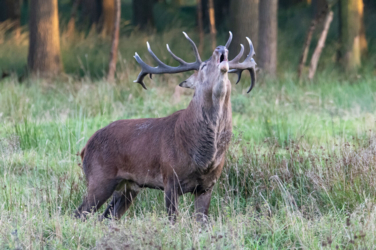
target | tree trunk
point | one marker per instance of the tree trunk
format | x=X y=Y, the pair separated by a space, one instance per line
x=268 y=30
x=321 y=9
x=44 y=48
x=351 y=18
x=363 y=40
x=213 y=31
x=108 y=15
x=320 y=45
x=221 y=12
x=200 y=26
x=244 y=22
x=307 y=43
x=115 y=42
x=143 y=13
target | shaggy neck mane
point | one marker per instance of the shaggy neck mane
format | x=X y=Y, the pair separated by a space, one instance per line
x=200 y=127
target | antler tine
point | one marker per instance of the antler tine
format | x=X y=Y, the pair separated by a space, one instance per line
x=163 y=68
x=239 y=56
x=229 y=40
x=181 y=61
x=251 y=50
x=143 y=72
x=159 y=62
x=195 y=50
x=248 y=64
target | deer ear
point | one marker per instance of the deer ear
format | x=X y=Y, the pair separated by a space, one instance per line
x=190 y=83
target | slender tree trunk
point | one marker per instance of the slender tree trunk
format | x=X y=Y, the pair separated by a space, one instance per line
x=213 y=31
x=108 y=15
x=244 y=16
x=320 y=11
x=200 y=26
x=306 y=45
x=44 y=48
x=115 y=42
x=320 y=45
x=267 y=52
x=351 y=17
x=363 y=40
x=143 y=13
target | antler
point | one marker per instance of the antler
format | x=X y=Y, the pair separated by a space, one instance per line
x=248 y=64
x=163 y=68
x=229 y=40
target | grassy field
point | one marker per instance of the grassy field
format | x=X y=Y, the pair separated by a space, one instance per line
x=300 y=172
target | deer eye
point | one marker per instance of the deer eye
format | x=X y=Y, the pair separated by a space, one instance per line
x=203 y=66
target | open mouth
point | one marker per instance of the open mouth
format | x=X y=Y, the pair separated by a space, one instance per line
x=222 y=58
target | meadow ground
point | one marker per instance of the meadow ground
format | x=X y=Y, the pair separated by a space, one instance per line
x=300 y=171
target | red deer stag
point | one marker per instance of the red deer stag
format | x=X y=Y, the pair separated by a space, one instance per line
x=180 y=153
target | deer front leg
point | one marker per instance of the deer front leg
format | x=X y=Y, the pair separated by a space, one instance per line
x=202 y=202
x=171 y=199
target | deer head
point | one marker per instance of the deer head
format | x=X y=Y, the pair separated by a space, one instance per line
x=210 y=73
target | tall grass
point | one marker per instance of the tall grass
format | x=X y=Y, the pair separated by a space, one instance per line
x=300 y=171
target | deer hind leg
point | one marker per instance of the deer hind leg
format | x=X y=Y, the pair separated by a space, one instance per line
x=121 y=201
x=202 y=203
x=98 y=192
x=171 y=200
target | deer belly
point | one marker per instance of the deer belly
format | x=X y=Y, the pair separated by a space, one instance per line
x=143 y=177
